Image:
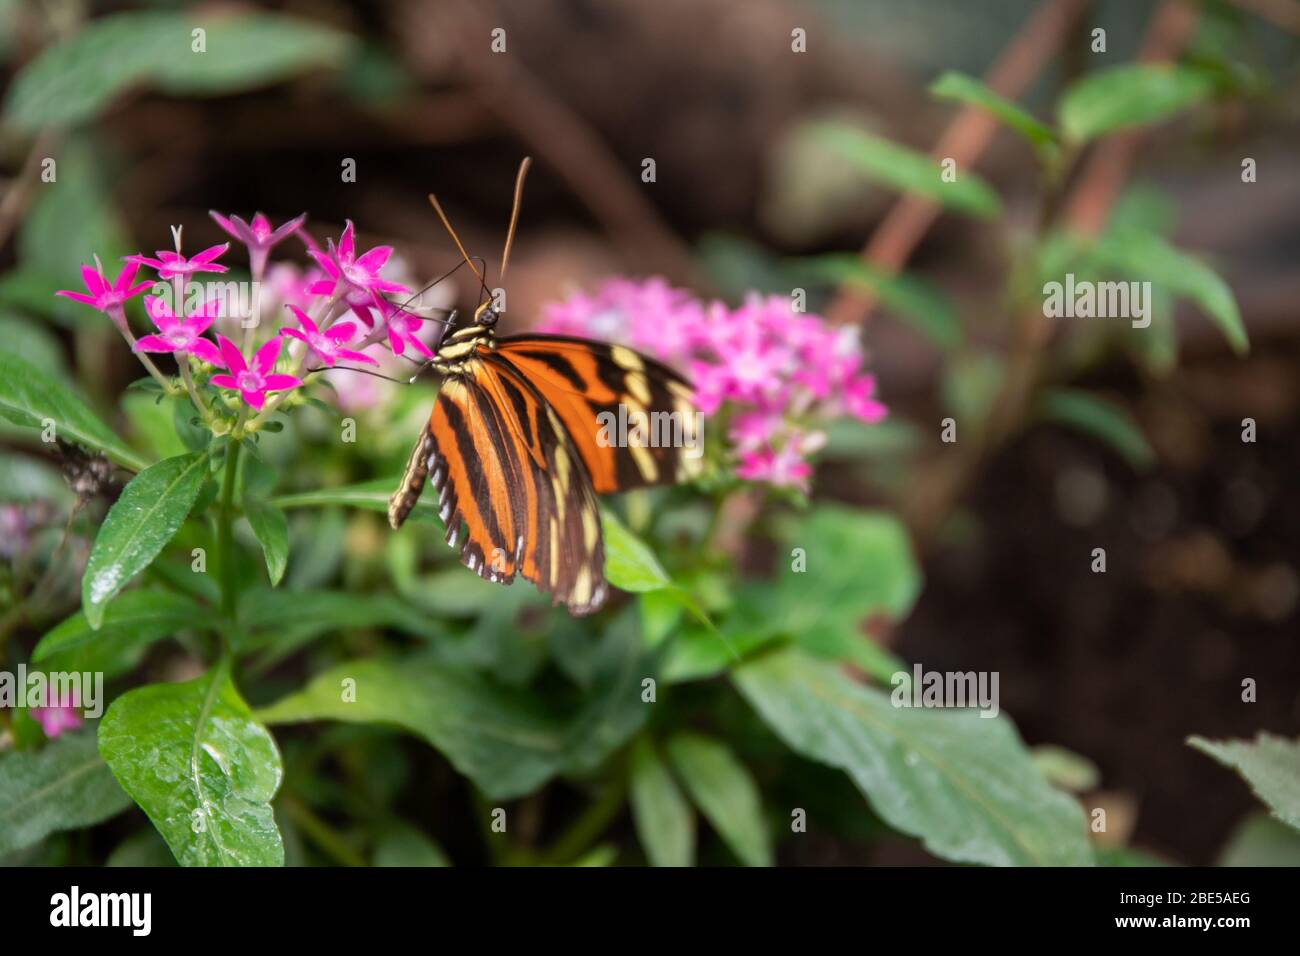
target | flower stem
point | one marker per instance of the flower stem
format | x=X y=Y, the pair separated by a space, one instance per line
x=184 y=363
x=229 y=562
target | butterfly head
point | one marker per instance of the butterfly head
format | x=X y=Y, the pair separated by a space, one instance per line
x=486 y=315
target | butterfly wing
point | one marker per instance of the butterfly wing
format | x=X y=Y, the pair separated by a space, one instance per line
x=513 y=491
x=601 y=393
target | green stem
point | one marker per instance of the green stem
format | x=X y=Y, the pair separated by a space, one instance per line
x=591 y=823
x=226 y=545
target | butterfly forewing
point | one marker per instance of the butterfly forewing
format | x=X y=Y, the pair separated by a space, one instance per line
x=519 y=443
x=594 y=387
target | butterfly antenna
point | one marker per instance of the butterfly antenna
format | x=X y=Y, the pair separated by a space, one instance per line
x=514 y=215
x=446 y=224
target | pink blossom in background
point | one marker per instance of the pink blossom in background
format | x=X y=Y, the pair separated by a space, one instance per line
x=777 y=375
x=58 y=719
x=255 y=380
x=181 y=336
x=171 y=264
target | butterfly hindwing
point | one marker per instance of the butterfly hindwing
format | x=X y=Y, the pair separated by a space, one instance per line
x=513 y=491
x=601 y=392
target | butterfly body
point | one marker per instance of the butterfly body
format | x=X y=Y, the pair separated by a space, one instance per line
x=514 y=449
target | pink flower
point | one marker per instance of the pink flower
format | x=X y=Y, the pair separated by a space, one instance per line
x=344 y=267
x=103 y=296
x=171 y=264
x=328 y=345
x=787 y=467
x=253 y=381
x=776 y=373
x=403 y=329
x=257 y=236
x=182 y=336
x=59 y=718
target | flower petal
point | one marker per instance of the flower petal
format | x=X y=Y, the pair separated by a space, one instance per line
x=210 y=253
x=304 y=320
x=347 y=248
x=153 y=343
x=256 y=399
x=265 y=358
x=375 y=259
x=278 y=383
x=356 y=356
x=77 y=296
x=202 y=348
x=224 y=381
x=234 y=359
x=341 y=332
x=95 y=283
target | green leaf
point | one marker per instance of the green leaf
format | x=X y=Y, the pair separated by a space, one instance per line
x=665 y=824
x=29 y=397
x=272 y=530
x=73 y=220
x=725 y=793
x=200 y=767
x=915 y=302
x=246 y=51
x=1270 y=764
x=370 y=495
x=825 y=605
x=141 y=522
x=152 y=417
x=906 y=170
x=315 y=612
x=1127 y=96
x=74 y=79
x=1261 y=840
x=1146 y=256
x=1101 y=418
x=401 y=844
x=32 y=343
x=132 y=622
x=629 y=562
x=1066 y=769
x=953 y=85
x=63 y=786
x=963 y=784
x=501 y=739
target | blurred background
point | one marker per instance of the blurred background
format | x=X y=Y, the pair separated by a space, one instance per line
x=1199 y=527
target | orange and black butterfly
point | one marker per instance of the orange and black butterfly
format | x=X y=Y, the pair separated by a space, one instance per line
x=515 y=451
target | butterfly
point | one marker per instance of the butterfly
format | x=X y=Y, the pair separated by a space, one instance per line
x=519 y=444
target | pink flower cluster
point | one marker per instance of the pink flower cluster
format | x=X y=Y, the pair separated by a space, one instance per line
x=776 y=375
x=342 y=280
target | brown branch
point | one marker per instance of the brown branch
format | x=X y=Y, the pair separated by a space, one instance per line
x=964 y=140
x=1098 y=186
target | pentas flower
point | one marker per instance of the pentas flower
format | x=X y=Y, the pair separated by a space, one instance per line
x=404 y=329
x=107 y=297
x=258 y=236
x=171 y=264
x=58 y=719
x=327 y=345
x=772 y=374
x=182 y=336
x=344 y=268
x=253 y=381
x=650 y=316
